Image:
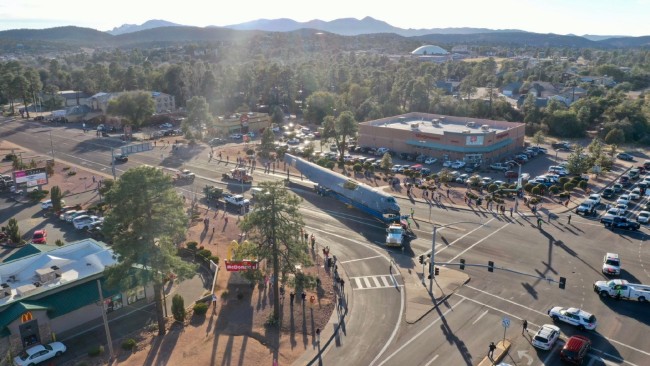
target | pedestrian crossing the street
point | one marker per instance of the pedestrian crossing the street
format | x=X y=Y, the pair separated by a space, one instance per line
x=372 y=282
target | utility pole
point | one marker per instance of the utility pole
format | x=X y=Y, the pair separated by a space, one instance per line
x=108 y=331
x=51 y=145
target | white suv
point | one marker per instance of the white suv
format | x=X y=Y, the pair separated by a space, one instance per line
x=574 y=316
x=546 y=336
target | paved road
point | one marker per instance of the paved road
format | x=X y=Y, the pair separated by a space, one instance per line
x=459 y=331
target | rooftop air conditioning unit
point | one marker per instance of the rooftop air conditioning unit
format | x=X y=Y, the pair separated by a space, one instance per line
x=466 y=131
x=415 y=126
x=5 y=290
x=470 y=124
x=485 y=127
x=435 y=122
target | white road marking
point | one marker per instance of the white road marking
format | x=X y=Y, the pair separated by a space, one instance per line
x=545 y=314
x=478 y=242
x=417 y=336
x=360 y=259
x=455 y=241
x=480 y=316
x=430 y=362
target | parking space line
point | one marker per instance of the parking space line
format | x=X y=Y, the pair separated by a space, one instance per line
x=480 y=316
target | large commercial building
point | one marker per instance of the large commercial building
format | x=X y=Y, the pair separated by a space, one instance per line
x=444 y=137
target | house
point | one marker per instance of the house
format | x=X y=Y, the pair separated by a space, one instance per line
x=73 y=98
x=450 y=87
x=511 y=89
x=43 y=293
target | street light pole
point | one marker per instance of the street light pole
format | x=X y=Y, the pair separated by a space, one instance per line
x=105 y=319
x=433 y=249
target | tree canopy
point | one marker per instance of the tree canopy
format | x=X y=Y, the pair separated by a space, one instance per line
x=135 y=107
x=146 y=219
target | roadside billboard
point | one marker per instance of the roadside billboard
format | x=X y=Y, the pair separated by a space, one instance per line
x=30 y=177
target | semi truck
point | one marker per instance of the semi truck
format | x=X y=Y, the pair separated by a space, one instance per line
x=363 y=197
x=622 y=289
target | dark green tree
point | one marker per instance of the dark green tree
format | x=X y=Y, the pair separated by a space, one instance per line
x=145 y=222
x=135 y=107
x=56 y=196
x=14 y=231
x=267 y=143
x=273 y=228
x=178 y=308
x=198 y=113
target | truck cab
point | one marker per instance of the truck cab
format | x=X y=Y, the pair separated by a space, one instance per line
x=394 y=235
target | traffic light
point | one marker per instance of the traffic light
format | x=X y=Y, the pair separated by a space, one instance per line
x=421 y=259
x=462 y=264
x=490 y=266
x=436 y=270
x=562 y=282
x=429 y=255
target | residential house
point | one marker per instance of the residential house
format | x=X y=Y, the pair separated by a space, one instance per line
x=511 y=89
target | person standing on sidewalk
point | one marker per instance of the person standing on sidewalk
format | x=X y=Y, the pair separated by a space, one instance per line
x=491 y=351
x=569 y=219
x=524 y=329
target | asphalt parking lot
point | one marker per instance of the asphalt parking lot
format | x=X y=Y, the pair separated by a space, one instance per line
x=31 y=217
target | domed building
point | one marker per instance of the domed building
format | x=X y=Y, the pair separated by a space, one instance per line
x=429 y=50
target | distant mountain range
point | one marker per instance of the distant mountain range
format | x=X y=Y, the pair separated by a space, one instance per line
x=370 y=32
x=149 y=24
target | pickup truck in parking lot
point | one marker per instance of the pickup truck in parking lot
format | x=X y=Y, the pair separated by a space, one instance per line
x=619 y=222
x=499 y=166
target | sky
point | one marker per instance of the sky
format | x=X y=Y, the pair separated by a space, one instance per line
x=595 y=17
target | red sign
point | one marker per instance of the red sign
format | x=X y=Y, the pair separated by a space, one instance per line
x=427 y=137
x=236 y=266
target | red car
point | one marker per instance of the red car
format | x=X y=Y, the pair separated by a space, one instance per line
x=575 y=349
x=40 y=237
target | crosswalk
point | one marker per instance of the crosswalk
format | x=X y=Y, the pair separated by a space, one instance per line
x=372 y=282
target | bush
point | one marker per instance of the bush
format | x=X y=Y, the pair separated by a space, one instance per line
x=71 y=173
x=215 y=259
x=128 y=344
x=96 y=351
x=536 y=190
x=582 y=184
x=178 y=308
x=568 y=187
x=205 y=253
x=192 y=245
x=200 y=308
x=224 y=295
x=554 y=189
x=271 y=321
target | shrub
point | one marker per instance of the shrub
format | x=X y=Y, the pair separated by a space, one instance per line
x=205 y=253
x=224 y=295
x=128 y=344
x=271 y=321
x=528 y=187
x=200 y=308
x=215 y=259
x=568 y=187
x=192 y=245
x=71 y=173
x=582 y=184
x=96 y=351
x=554 y=189
x=534 y=201
x=59 y=243
x=178 y=308
x=536 y=190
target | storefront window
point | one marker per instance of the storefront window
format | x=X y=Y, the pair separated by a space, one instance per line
x=135 y=294
x=113 y=303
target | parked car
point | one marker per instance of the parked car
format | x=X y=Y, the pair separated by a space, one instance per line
x=643 y=217
x=47 y=204
x=608 y=193
x=430 y=161
x=575 y=349
x=122 y=158
x=39 y=353
x=39 y=237
x=611 y=264
x=625 y=156
x=217 y=141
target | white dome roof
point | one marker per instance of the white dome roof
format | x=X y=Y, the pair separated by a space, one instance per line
x=430 y=50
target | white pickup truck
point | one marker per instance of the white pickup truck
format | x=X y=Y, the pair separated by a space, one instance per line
x=628 y=291
x=236 y=199
x=499 y=166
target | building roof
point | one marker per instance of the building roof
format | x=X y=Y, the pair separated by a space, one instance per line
x=28 y=250
x=429 y=50
x=26 y=277
x=439 y=125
